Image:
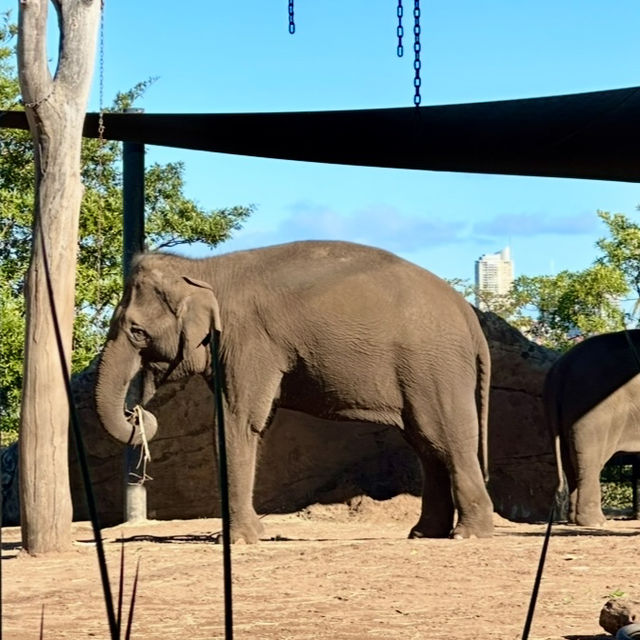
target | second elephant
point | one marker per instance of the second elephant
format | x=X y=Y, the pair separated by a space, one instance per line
x=592 y=400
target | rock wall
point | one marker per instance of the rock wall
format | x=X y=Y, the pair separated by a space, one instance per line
x=305 y=460
x=523 y=475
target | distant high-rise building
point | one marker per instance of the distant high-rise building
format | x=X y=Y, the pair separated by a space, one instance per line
x=494 y=274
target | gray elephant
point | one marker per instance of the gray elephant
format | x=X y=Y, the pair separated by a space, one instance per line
x=592 y=402
x=333 y=329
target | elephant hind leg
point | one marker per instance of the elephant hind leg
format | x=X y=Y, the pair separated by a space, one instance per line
x=475 y=509
x=436 y=518
x=568 y=467
x=446 y=425
x=588 y=457
x=588 y=504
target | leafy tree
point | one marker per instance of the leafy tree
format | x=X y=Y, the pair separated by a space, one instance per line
x=622 y=250
x=171 y=219
x=557 y=310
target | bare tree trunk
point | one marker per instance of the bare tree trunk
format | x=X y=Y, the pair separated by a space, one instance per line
x=55 y=109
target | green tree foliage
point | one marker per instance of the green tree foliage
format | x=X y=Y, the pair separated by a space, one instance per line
x=622 y=250
x=559 y=309
x=171 y=219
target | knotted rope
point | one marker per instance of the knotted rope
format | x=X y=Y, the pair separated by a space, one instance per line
x=145 y=454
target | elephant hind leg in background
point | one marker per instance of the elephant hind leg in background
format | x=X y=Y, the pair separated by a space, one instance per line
x=583 y=474
x=567 y=472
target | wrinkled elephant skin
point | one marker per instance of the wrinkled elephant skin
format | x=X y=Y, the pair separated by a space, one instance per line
x=592 y=402
x=336 y=330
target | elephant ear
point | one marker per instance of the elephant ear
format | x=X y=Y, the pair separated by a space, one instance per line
x=198 y=313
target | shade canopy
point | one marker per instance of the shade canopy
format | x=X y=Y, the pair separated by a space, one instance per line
x=588 y=135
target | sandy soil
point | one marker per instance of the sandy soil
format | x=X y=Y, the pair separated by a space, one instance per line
x=338 y=571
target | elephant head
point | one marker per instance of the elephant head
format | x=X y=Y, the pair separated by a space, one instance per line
x=161 y=327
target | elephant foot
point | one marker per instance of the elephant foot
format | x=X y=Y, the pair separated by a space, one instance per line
x=248 y=530
x=430 y=529
x=594 y=520
x=478 y=529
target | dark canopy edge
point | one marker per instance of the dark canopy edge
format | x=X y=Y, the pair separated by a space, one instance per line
x=592 y=135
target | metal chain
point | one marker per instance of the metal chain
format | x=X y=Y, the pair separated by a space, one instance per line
x=101 y=82
x=400 y=29
x=101 y=159
x=417 y=81
x=292 y=23
x=37 y=103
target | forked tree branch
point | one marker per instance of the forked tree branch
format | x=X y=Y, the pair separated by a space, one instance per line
x=35 y=79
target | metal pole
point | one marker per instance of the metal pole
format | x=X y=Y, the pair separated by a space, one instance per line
x=135 y=502
x=133 y=199
x=635 y=485
x=224 y=484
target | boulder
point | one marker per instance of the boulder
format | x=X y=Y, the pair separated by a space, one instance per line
x=305 y=460
x=619 y=612
x=523 y=475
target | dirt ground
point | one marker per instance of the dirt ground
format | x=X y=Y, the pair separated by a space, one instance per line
x=335 y=571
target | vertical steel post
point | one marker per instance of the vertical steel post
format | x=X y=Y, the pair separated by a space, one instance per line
x=132 y=199
x=135 y=502
x=635 y=486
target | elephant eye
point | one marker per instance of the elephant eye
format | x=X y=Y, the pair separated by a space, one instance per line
x=139 y=334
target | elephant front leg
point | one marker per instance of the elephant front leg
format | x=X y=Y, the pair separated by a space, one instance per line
x=242 y=445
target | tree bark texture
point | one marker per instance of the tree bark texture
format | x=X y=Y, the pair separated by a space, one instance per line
x=55 y=109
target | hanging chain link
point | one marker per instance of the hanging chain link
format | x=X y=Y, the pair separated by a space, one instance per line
x=417 y=65
x=292 y=22
x=101 y=159
x=101 y=78
x=400 y=29
x=37 y=103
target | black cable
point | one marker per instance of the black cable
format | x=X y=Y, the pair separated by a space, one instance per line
x=536 y=584
x=224 y=484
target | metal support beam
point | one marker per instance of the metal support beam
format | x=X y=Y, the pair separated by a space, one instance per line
x=135 y=503
x=635 y=486
x=133 y=199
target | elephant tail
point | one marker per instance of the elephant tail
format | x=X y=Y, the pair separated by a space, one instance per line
x=558 y=454
x=482 y=394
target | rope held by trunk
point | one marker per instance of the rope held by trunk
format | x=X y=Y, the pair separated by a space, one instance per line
x=145 y=454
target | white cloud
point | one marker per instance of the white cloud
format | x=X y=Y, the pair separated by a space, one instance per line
x=378 y=225
x=388 y=227
x=531 y=224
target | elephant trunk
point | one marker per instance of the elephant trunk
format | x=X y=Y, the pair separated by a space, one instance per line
x=119 y=363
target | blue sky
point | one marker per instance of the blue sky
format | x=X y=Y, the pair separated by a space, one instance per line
x=213 y=56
